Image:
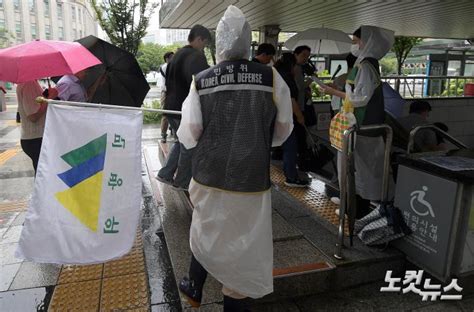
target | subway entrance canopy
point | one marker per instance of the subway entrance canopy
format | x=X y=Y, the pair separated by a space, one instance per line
x=421 y=18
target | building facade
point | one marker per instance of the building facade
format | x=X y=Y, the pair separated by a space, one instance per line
x=26 y=20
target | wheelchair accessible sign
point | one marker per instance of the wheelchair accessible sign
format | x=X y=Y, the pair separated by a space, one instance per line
x=427 y=203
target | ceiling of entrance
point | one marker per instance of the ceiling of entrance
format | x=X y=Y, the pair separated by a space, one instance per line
x=423 y=18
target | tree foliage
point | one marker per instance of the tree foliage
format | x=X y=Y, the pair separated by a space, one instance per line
x=402 y=48
x=389 y=66
x=5 y=37
x=124 y=21
x=150 y=56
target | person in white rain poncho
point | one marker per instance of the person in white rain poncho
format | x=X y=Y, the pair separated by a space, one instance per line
x=234 y=113
x=364 y=91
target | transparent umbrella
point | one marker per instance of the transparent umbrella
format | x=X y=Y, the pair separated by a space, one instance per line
x=321 y=41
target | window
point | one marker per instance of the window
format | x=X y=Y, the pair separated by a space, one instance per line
x=16 y=5
x=2 y=22
x=79 y=14
x=47 y=30
x=73 y=14
x=46 y=7
x=1 y=4
x=33 y=31
x=60 y=11
x=74 y=33
x=61 y=33
x=18 y=31
x=32 y=5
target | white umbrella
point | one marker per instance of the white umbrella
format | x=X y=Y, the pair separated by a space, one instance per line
x=321 y=41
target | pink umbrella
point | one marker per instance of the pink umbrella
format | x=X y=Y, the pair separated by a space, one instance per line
x=43 y=58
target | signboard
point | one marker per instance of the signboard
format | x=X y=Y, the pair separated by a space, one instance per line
x=467 y=264
x=324 y=120
x=427 y=203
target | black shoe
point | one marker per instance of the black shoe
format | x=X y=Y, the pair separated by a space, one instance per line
x=180 y=188
x=296 y=183
x=234 y=305
x=164 y=180
x=189 y=290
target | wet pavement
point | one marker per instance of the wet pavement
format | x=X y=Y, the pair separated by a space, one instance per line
x=27 y=286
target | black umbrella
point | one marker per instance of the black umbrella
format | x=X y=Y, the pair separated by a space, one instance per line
x=119 y=79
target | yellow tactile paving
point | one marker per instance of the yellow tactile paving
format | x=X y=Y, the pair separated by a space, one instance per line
x=79 y=273
x=313 y=197
x=8 y=154
x=124 y=293
x=15 y=206
x=133 y=262
x=82 y=296
x=119 y=285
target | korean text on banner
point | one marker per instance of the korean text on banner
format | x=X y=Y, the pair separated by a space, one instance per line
x=87 y=195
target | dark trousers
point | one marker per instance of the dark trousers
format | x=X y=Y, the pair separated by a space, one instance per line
x=32 y=148
x=197 y=273
x=363 y=207
x=290 y=154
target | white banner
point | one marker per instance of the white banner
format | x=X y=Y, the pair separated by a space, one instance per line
x=87 y=195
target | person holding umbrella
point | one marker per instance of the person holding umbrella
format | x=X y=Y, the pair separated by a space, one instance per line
x=71 y=88
x=24 y=64
x=187 y=62
x=33 y=116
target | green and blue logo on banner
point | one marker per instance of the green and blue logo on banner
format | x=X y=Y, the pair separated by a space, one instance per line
x=84 y=180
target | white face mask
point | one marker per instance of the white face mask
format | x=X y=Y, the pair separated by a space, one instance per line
x=355 y=49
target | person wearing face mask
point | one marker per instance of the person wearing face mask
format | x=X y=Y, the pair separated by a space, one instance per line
x=235 y=111
x=364 y=90
x=265 y=54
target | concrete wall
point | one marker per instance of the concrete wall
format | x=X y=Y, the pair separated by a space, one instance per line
x=457 y=114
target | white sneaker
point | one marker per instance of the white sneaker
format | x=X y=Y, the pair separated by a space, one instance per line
x=336 y=200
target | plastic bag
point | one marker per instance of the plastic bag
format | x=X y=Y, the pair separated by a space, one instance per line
x=342 y=121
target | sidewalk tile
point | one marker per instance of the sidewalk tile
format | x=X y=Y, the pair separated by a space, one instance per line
x=12 y=235
x=133 y=262
x=8 y=254
x=33 y=299
x=124 y=292
x=35 y=275
x=7 y=218
x=81 y=296
x=7 y=274
x=166 y=307
x=79 y=273
x=20 y=219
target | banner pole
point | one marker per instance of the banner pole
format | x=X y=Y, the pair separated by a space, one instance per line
x=97 y=105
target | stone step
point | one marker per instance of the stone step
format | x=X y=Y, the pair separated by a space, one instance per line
x=304 y=243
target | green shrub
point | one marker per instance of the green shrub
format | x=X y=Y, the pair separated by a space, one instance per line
x=459 y=91
x=152 y=117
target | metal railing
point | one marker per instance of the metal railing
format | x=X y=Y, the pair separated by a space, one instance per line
x=418 y=86
x=445 y=135
x=429 y=86
x=347 y=162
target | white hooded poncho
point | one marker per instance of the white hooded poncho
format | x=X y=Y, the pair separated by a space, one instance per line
x=231 y=232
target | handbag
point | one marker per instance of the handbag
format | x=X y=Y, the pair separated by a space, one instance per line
x=342 y=121
x=383 y=225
